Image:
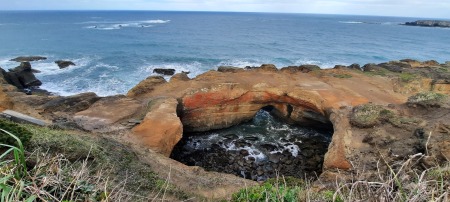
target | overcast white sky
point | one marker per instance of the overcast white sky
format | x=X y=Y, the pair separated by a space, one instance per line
x=414 y=8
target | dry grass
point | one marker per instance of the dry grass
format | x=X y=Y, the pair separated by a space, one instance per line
x=402 y=181
x=405 y=183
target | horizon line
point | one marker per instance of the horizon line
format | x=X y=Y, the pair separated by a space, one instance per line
x=206 y=11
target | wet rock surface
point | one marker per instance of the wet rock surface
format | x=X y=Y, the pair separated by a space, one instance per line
x=260 y=149
x=64 y=63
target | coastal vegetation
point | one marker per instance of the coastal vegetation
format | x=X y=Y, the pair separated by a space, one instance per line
x=59 y=165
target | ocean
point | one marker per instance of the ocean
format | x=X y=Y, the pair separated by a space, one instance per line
x=115 y=50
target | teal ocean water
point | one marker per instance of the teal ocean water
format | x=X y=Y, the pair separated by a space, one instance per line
x=114 y=50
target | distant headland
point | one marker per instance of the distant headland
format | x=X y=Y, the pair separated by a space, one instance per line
x=429 y=23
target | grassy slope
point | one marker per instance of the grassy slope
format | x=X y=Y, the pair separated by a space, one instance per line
x=76 y=166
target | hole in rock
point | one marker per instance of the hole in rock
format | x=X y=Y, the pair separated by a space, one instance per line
x=259 y=149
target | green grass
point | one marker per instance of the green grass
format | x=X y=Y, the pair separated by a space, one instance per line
x=268 y=192
x=407 y=77
x=68 y=166
x=12 y=172
x=343 y=76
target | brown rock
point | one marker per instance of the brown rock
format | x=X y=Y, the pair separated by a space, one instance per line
x=146 y=86
x=71 y=104
x=268 y=67
x=229 y=69
x=161 y=128
x=413 y=63
x=106 y=112
x=179 y=77
x=430 y=63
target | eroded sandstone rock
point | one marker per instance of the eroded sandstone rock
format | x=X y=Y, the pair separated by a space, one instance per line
x=146 y=85
x=161 y=128
x=106 y=112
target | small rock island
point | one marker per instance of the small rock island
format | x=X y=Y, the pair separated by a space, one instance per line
x=429 y=23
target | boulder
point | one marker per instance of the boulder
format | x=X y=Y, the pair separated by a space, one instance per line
x=64 y=63
x=371 y=67
x=268 y=67
x=308 y=68
x=167 y=72
x=355 y=66
x=339 y=67
x=430 y=63
x=161 y=128
x=146 y=86
x=229 y=69
x=393 y=67
x=180 y=77
x=107 y=111
x=302 y=68
x=413 y=63
x=28 y=58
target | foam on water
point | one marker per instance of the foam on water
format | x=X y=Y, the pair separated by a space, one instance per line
x=193 y=68
x=321 y=64
x=113 y=25
x=351 y=22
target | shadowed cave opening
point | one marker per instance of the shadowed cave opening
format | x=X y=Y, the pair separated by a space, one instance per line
x=259 y=149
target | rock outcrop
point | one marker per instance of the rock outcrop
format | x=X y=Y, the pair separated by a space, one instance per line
x=28 y=58
x=161 y=128
x=167 y=72
x=429 y=23
x=107 y=111
x=21 y=76
x=64 y=63
x=146 y=85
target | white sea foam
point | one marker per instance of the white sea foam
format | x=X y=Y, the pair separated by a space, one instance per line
x=100 y=86
x=351 y=22
x=112 y=25
x=49 y=67
x=321 y=64
x=155 y=21
x=240 y=63
x=192 y=68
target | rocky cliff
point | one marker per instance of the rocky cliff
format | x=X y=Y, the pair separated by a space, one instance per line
x=375 y=111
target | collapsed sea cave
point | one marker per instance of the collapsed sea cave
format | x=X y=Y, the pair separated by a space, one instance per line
x=262 y=148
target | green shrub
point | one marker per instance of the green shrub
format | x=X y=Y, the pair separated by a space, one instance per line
x=407 y=77
x=267 y=192
x=428 y=99
x=22 y=133
x=369 y=115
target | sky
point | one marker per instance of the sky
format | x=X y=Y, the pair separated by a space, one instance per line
x=409 y=8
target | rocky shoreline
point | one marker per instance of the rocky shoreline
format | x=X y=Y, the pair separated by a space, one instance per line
x=388 y=111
